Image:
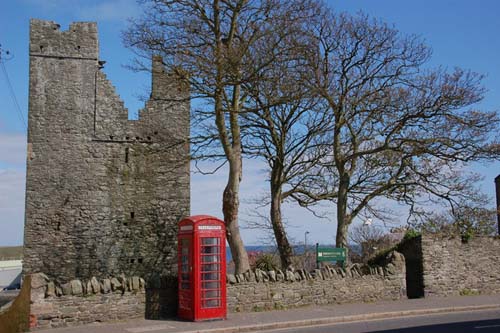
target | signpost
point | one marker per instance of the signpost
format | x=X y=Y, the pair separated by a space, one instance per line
x=497 y=185
x=330 y=254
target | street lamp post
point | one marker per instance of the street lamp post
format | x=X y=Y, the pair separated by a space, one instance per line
x=497 y=185
x=305 y=248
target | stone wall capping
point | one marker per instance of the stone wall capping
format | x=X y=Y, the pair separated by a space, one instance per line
x=39 y=280
x=93 y=286
x=395 y=262
x=231 y=278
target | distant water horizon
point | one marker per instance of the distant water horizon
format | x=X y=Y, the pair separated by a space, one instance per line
x=297 y=249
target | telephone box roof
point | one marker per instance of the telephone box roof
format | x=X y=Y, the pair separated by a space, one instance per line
x=200 y=218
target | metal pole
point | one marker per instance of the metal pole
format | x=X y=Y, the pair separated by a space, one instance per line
x=317 y=261
x=305 y=249
x=305 y=242
x=497 y=184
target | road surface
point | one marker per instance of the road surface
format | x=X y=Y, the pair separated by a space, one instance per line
x=458 y=322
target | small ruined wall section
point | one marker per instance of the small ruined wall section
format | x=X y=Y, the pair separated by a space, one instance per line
x=452 y=267
x=83 y=302
x=262 y=291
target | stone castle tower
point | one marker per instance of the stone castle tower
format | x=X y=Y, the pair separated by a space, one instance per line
x=103 y=193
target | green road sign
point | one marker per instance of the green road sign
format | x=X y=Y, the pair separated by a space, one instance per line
x=330 y=254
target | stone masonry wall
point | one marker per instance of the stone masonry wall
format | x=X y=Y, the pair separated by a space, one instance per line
x=103 y=193
x=80 y=302
x=262 y=291
x=452 y=267
x=83 y=302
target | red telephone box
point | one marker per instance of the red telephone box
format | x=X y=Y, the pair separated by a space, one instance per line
x=202 y=268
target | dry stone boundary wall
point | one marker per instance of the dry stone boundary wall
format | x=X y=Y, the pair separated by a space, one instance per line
x=97 y=300
x=453 y=267
x=262 y=291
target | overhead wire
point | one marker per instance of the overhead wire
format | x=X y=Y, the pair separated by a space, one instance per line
x=11 y=91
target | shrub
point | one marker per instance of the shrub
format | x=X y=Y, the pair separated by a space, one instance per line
x=410 y=234
x=266 y=262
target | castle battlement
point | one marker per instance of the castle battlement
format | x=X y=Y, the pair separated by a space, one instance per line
x=79 y=41
x=69 y=59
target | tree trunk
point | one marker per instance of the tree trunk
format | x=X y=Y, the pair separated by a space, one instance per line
x=230 y=206
x=343 y=219
x=284 y=247
x=342 y=232
x=232 y=150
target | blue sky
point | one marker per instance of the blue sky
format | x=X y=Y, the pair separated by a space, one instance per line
x=462 y=33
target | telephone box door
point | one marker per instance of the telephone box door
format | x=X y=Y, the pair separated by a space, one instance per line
x=185 y=271
x=212 y=276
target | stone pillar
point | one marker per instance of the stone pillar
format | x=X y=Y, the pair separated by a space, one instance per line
x=497 y=184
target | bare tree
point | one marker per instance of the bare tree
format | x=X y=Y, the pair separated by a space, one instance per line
x=399 y=130
x=216 y=45
x=284 y=132
x=372 y=240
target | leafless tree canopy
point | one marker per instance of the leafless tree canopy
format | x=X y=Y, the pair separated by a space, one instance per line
x=220 y=47
x=398 y=129
x=284 y=130
x=464 y=221
x=343 y=108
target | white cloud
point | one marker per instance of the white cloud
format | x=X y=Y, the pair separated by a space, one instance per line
x=12 y=185
x=13 y=150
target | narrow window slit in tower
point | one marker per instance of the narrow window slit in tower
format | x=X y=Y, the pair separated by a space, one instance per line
x=126 y=155
x=132 y=215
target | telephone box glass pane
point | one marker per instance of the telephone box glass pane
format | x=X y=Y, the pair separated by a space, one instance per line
x=211 y=285
x=210 y=258
x=214 y=241
x=184 y=253
x=211 y=303
x=210 y=267
x=211 y=272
